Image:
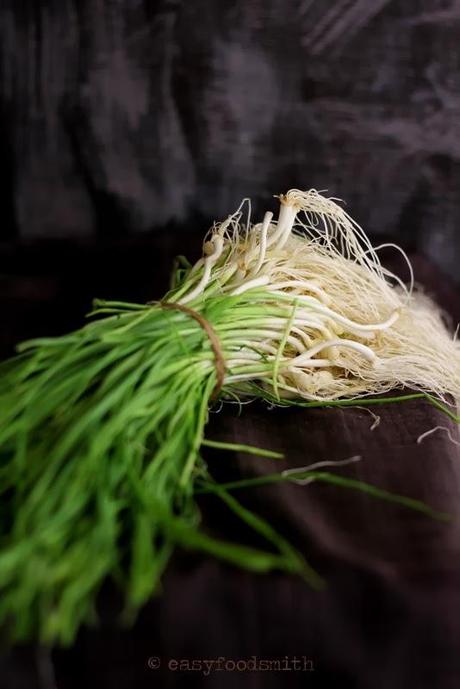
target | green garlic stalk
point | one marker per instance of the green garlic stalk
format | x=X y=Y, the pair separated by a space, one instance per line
x=101 y=430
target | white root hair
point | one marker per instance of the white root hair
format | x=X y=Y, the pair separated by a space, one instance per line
x=335 y=322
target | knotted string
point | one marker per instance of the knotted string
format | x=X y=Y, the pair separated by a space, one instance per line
x=213 y=339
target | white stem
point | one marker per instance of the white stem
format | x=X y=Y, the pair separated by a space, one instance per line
x=304 y=359
x=263 y=241
x=255 y=375
x=310 y=363
x=306 y=286
x=351 y=325
x=315 y=325
x=209 y=262
x=251 y=284
x=286 y=219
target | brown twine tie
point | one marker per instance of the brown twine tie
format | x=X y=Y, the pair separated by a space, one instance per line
x=213 y=339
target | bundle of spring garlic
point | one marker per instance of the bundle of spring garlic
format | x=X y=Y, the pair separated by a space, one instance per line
x=101 y=430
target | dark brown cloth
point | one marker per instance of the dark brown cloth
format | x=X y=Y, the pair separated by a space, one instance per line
x=118 y=117
x=389 y=614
